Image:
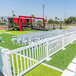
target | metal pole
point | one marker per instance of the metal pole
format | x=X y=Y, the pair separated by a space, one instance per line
x=65 y=15
x=43 y=9
x=43 y=15
x=20 y=23
x=46 y=18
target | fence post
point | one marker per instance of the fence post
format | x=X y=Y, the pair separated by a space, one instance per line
x=1 y=64
x=47 y=58
x=6 y=67
x=71 y=39
x=63 y=43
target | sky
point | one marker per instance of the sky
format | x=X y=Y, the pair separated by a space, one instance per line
x=53 y=8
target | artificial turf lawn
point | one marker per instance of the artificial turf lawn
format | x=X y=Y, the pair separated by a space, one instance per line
x=18 y=32
x=63 y=58
x=42 y=70
x=65 y=27
x=7 y=42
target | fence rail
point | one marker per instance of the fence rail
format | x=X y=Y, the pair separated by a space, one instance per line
x=19 y=61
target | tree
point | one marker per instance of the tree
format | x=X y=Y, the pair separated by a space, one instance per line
x=70 y=20
x=56 y=22
x=14 y=15
x=33 y=20
x=33 y=15
x=53 y=25
x=2 y=19
x=45 y=20
x=5 y=20
x=39 y=21
x=50 y=21
x=61 y=22
x=56 y=18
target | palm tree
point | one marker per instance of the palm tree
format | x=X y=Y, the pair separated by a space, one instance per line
x=2 y=19
x=14 y=15
x=33 y=15
x=33 y=20
x=53 y=25
x=56 y=18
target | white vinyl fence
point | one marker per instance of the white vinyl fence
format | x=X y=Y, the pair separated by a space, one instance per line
x=19 y=61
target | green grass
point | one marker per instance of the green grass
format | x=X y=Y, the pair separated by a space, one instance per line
x=62 y=59
x=19 y=63
x=73 y=24
x=65 y=27
x=42 y=70
x=7 y=42
x=18 y=32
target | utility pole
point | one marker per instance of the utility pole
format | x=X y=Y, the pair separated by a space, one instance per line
x=12 y=12
x=65 y=15
x=46 y=18
x=43 y=9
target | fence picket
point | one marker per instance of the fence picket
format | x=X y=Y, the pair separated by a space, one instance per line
x=27 y=59
x=30 y=56
x=37 y=52
x=21 y=61
x=24 y=60
x=17 y=63
x=13 y=65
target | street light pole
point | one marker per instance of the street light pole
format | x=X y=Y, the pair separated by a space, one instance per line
x=43 y=9
x=65 y=15
x=12 y=12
